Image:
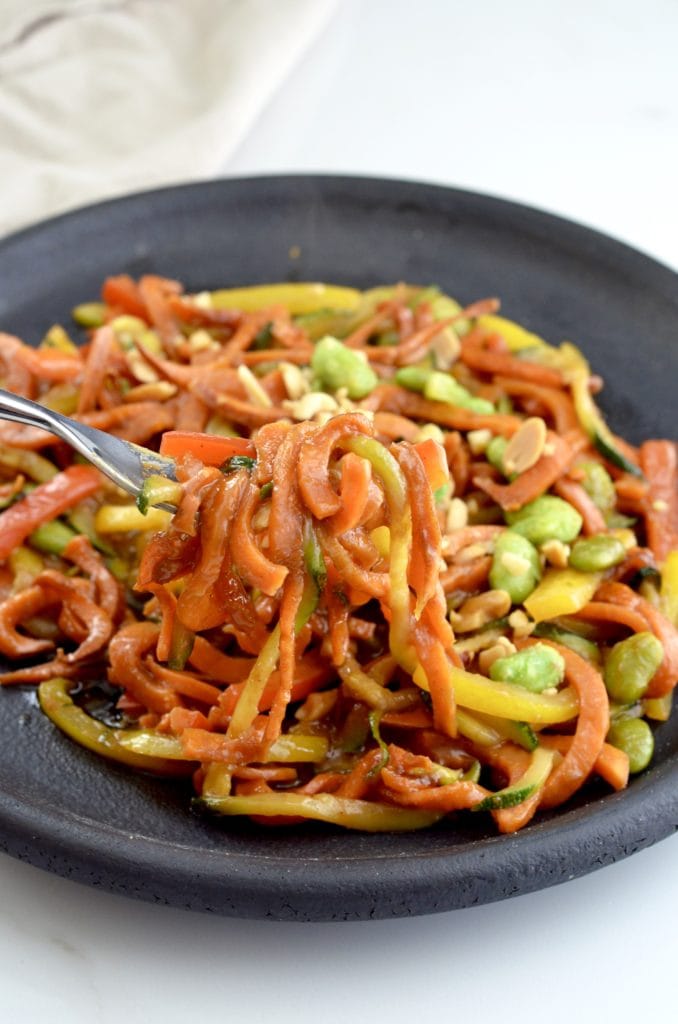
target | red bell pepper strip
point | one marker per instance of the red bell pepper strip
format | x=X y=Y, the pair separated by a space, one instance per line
x=45 y=503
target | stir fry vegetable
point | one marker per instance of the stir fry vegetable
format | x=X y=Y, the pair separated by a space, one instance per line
x=411 y=571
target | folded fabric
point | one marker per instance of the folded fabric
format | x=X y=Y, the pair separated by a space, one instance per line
x=102 y=98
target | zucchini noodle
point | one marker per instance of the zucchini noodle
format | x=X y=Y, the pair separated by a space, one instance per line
x=411 y=571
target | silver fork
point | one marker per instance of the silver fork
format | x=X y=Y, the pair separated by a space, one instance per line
x=127 y=465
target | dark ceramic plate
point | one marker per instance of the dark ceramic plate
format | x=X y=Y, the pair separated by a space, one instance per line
x=63 y=809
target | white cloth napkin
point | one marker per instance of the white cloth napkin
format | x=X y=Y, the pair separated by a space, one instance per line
x=99 y=98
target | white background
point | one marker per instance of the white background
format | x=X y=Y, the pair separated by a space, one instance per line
x=572 y=107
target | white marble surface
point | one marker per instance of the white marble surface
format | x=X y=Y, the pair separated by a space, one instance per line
x=569 y=106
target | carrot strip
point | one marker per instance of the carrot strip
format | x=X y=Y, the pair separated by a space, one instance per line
x=666 y=676
x=354 y=490
x=477 y=356
x=534 y=481
x=126 y=652
x=390 y=398
x=251 y=563
x=12 y=611
x=659 y=462
x=98 y=625
x=314 y=484
x=220 y=667
x=593 y=520
x=210 y=449
x=186 y=684
x=45 y=503
x=591 y=729
x=556 y=402
x=122 y=294
x=424 y=561
x=97 y=367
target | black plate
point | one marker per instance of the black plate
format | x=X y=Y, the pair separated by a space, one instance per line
x=65 y=810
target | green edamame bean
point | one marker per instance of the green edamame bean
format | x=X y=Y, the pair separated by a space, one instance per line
x=413 y=377
x=441 y=387
x=494 y=453
x=546 y=518
x=598 y=485
x=634 y=737
x=594 y=554
x=630 y=666
x=337 y=366
x=515 y=566
x=536 y=668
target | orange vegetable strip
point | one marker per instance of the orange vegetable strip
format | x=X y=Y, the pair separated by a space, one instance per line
x=456 y=796
x=557 y=402
x=310 y=674
x=380 y=319
x=477 y=356
x=570 y=490
x=202 y=602
x=186 y=684
x=12 y=611
x=155 y=293
x=435 y=663
x=210 y=449
x=591 y=729
x=419 y=718
x=467 y=577
x=299 y=356
x=202 y=745
x=97 y=623
x=108 y=590
x=358 y=781
x=434 y=459
x=126 y=651
x=97 y=367
x=136 y=422
x=337 y=616
x=666 y=676
x=659 y=462
x=289 y=606
x=354 y=489
x=513 y=761
x=178 y=719
x=390 y=398
x=168 y=610
x=313 y=471
x=469 y=535
x=39 y=673
x=251 y=563
x=392 y=427
x=412 y=349
x=220 y=667
x=376 y=584
x=286 y=519
x=602 y=611
x=246 y=413
x=534 y=481
x=424 y=561
x=122 y=294
x=45 y=503
x=189 y=312
x=17 y=378
x=49 y=364
x=611 y=764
